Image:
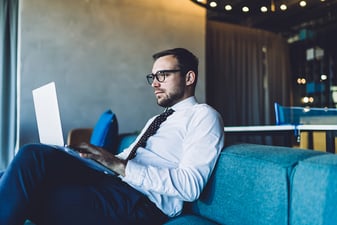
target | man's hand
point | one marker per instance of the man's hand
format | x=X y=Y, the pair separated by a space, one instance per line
x=102 y=156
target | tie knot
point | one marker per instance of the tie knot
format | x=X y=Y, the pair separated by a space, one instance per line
x=162 y=117
x=167 y=112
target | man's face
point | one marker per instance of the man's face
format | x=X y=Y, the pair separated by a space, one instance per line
x=172 y=89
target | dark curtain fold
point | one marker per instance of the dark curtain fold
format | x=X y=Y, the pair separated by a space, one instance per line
x=247 y=70
x=8 y=80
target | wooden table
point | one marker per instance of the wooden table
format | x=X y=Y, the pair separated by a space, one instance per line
x=330 y=131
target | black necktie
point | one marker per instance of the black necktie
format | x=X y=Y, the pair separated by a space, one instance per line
x=151 y=130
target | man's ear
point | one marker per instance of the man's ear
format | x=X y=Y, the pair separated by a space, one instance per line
x=190 y=77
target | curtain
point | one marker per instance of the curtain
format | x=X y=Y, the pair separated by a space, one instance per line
x=247 y=70
x=8 y=80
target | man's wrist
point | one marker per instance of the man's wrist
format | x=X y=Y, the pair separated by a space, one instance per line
x=120 y=166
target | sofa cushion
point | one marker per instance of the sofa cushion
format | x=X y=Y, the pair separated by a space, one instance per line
x=125 y=140
x=105 y=132
x=314 y=191
x=250 y=185
x=190 y=219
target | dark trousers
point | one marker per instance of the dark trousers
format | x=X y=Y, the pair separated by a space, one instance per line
x=50 y=187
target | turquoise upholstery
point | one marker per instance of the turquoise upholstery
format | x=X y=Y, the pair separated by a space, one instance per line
x=125 y=140
x=250 y=185
x=314 y=191
x=262 y=185
x=190 y=220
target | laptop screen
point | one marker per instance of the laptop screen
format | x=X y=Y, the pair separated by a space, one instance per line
x=48 y=115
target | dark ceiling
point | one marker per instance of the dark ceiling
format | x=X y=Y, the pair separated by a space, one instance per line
x=317 y=16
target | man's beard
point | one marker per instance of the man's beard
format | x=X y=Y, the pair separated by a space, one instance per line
x=171 y=99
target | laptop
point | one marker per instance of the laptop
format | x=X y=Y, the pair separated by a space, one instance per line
x=49 y=124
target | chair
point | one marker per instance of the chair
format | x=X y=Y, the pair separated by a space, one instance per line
x=294 y=115
x=78 y=135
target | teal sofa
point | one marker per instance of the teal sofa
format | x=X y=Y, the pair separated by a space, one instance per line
x=263 y=185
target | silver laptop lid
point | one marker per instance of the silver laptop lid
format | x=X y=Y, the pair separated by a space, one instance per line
x=48 y=115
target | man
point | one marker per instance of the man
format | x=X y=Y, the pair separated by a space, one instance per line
x=51 y=187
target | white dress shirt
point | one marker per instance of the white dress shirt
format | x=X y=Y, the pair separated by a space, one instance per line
x=178 y=159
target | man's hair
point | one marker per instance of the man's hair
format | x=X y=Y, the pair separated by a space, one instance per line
x=186 y=59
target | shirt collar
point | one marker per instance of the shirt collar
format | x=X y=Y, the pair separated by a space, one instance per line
x=186 y=103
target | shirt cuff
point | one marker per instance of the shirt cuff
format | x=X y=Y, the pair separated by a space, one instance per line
x=134 y=173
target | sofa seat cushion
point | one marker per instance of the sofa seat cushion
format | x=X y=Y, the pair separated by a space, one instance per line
x=250 y=185
x=314 y=191
x=190 y=219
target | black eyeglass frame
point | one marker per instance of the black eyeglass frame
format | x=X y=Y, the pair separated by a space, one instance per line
x=160 y=75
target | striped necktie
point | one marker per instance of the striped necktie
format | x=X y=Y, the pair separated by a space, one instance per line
x=151 y=130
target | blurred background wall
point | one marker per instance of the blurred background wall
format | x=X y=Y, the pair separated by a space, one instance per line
x=98 y=53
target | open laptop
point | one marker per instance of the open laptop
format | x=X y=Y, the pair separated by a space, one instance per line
x=49 y=124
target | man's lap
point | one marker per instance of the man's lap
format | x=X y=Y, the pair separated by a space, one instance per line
x=103 y=203
x=75 y=194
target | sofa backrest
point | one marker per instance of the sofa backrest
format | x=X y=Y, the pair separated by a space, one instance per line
x=125 y=140
x=250 y=185
x=314 y=191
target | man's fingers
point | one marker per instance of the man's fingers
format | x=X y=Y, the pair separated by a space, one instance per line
x=89 y=155
x=88 y=148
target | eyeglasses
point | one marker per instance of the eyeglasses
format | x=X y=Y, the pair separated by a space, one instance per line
x=160 y=75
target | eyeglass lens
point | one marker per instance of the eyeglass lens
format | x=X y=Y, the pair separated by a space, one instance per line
x=160 y=75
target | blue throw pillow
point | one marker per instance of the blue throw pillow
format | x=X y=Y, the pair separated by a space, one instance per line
x=105 y=133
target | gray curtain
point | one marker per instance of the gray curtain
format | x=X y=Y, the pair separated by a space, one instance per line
x=247 y=70
x=8 y=80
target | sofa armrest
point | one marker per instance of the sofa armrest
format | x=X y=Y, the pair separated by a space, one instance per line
x=79 y=135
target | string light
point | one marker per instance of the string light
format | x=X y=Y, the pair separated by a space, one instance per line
x=301 y=80
x=307 y=99
x=213 y=4
x=245 y=9
x=283 y=7
x=264 y=9
x=228 y=7
x=217 y=5
x=303 y=3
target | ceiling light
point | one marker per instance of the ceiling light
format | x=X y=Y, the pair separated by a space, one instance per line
x=283 y=7
x=324 y=77
x=301 y=80
x=245 y=9
x=264 y=9
x=228 y=7
x=213 y=4
x=303 y=3
x=307 y=99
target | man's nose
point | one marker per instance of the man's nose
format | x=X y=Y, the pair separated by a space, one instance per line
x=155 y=83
